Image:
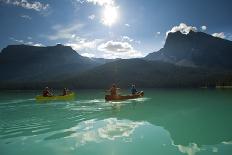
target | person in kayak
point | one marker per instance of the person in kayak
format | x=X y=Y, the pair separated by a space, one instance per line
x=113 y=90
x=47 y=92
x=133 y=90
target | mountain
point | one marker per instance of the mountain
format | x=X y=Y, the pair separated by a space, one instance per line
x=20 y=63
x=195 y=49
x=193 y=60
x=124 y=72
x=149 y=74
x=103 y=60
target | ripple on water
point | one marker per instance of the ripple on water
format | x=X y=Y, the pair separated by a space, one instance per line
x=29 y=118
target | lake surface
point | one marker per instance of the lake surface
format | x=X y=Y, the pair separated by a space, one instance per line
x=164 y=122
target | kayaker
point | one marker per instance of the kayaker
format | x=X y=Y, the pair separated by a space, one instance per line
x=113 y=90
x=47 y=93
x=133 y=90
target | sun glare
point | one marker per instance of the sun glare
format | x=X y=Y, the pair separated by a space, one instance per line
x=110 y=15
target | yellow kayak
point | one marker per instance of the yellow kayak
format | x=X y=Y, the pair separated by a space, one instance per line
x=70 y=96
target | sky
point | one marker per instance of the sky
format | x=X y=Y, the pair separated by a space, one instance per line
x=110 y=28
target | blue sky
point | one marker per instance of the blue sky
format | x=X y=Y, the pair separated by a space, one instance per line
x=110 y=28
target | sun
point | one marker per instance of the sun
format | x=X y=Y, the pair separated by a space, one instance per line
x=110 y=15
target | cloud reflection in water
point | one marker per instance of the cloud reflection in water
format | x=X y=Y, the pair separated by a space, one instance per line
x=107 y=129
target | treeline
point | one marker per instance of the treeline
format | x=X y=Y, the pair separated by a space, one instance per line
x=145 y=74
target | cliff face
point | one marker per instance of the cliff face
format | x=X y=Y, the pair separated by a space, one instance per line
x=195 y=49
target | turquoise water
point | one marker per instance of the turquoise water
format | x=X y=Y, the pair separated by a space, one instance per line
x=164 y=122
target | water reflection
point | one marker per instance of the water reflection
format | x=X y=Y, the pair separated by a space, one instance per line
x=191 y=149
x=108 y=129
x=179 y=122
x=204 y=121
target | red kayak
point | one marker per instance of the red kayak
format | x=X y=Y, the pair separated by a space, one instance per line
x=126 y=97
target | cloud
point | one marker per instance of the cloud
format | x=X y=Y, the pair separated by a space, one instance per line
x=67 y=32
x=127 y=25
x=183 y=28
x=157 y=34
x=90 y=55
x=92 y=17
x=102 y=2
x=83 y=44
x=113 y=49
x=203 y=28
x=119 y=47
x=126 y=38
x=219 y=35
x=129 y=39
x=26 y=17
x=37 y=6
x=69 y=36
x=26 y=43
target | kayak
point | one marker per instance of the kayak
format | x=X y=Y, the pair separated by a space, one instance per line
x=123 y=97
x=70 y=96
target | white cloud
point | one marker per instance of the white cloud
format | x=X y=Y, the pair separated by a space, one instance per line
x=37 y=44
x=114 y=49
x=119 y=47
x=90 y=55
x=92 y=17
x=25 y=42
x=69 y=36
x=126 y=38
x=219 y=35
x=203 y=28
x=127 y=25
x=83 y=44
x=183 y=28
x=67 y=32
x=37 y=6
x=102 y=2
x=26 y=17
x=157 y=34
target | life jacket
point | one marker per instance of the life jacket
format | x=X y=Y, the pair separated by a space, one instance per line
x=45 y=93
x=133 y=91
